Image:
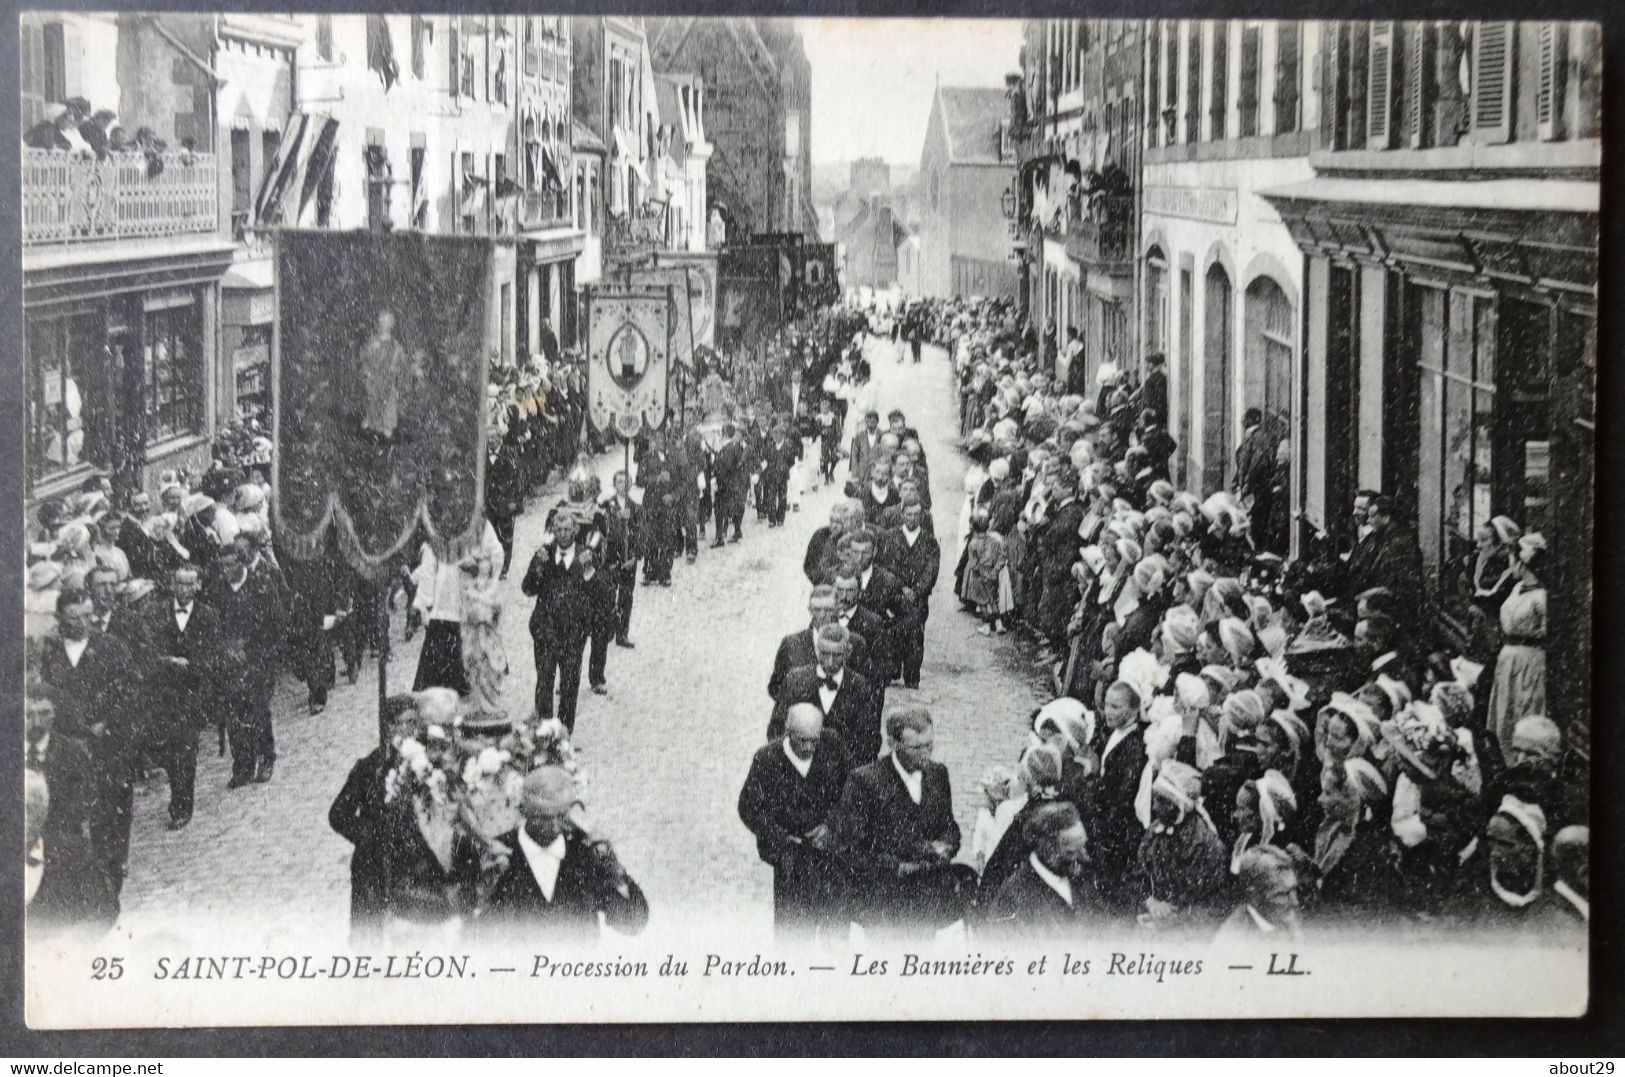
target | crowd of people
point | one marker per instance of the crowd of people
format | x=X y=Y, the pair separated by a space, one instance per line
x=1236 y=739
x=1237 y=742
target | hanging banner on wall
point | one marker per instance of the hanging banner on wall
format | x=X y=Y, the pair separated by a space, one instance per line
x=628 y=355
x=379 y=389
x=702 y=291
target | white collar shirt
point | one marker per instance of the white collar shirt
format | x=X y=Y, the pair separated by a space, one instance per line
x=826 y=694
x=803 y=766
x=565 y=557
x=1053 y=881
x=913 y=782
x=544 y=861
x=183 y=614
x=75 y=649
x=911 y=537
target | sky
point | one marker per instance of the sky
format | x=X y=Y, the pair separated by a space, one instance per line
x=872 y=79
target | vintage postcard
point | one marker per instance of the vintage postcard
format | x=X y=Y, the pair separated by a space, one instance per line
x=569 y=519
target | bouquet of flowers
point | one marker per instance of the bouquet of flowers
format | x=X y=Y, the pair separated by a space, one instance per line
x=465 y=780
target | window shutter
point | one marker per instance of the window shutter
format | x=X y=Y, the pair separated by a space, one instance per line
x=32 y=65
x=1419 y=80
x=1219 y=98
x=1492 y=81
x=454 y=56
x=1379 y=129
x=1549 y=95
x=1333 y=70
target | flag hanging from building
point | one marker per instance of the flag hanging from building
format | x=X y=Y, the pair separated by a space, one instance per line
x=304 y=158
x=381 y=51
x=628 y=351
x=380 y=392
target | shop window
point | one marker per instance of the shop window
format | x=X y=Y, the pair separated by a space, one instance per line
x=1456 y=463
x=64 y=355
x=173 y=354
x=252 y=369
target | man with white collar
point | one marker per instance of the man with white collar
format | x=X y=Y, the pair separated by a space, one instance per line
x=915 y=556
x=1268 y=913
x=880 y=593
x=895 y=831
x=793 y=785
x=879 y=493
x=183 y=641
x=1050 y=892
x=848 y=701
x=559 y=879
x=865 y=443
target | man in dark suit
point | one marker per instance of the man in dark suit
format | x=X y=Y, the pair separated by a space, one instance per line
x=797 y=649
x=792 y=787
x=820 y=555
x=1057 y=553
x=183 y=641
x=878 y=494
x=504 y=492
x=895 y=833
x=1116 y=829
x=131 y=536
x=915 y=557
x=109 y=616
x=732 y=476
x=881 y=593
x=850 y=705
x=559 y=622
x=91 y=679
x=253 y=621
x=1255 y=463
x=1048 y=894
x=1388 y=557
x=862 y=452
x=908 y=493
x=558 y=880
x=1154 y=390
x=623 y=522
x=866 y=655
x=905 y=469
x=662 y=515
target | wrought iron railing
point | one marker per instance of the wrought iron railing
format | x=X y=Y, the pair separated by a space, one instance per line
x=76 y=198
x=1104 y=232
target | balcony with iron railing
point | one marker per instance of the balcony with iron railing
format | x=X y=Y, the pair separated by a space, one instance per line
x=73 y=197
x=539 y=210
x=1101 y=232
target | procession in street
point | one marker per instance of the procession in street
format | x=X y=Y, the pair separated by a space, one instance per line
x=630 y=553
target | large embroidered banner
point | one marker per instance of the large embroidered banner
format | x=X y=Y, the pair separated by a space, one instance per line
x=702 y=291
x=628 y=354
x=380 y=392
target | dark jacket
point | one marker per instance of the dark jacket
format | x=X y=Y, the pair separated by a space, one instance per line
x=563 y=609
x=504 y=491
x=855 y=714
x=623 y=532
x=878 y=826
x=182 y=698
x=1114 y=839
x=516 y=904
x=916 y=566
x=1026 y=903
x=780 y=807
x=357 y=815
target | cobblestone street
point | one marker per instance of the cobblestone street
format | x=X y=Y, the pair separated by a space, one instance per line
x=664 y=753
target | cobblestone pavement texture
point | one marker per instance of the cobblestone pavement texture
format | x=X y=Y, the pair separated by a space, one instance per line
x=664 y=752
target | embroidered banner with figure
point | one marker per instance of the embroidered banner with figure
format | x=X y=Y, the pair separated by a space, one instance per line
x=382 y=346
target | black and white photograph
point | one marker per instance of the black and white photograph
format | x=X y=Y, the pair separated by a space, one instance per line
x=609 y=518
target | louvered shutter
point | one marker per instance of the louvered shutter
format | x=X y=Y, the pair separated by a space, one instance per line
x=1493 y=58
x=31 y=54
x=1419 y=80
x=1331 y=72
x=454 y=57
x=1549 y=93
x=1380 y=87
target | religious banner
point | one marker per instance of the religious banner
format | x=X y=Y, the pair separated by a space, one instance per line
x=675 y=278
x=702 y=291
x=379 y=392
x=750 y=295
x=820 y=281
x=628 y=350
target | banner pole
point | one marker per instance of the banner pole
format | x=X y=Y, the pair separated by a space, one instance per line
x=382 y=617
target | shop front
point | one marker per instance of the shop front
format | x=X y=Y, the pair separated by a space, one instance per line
x=1451 y=358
